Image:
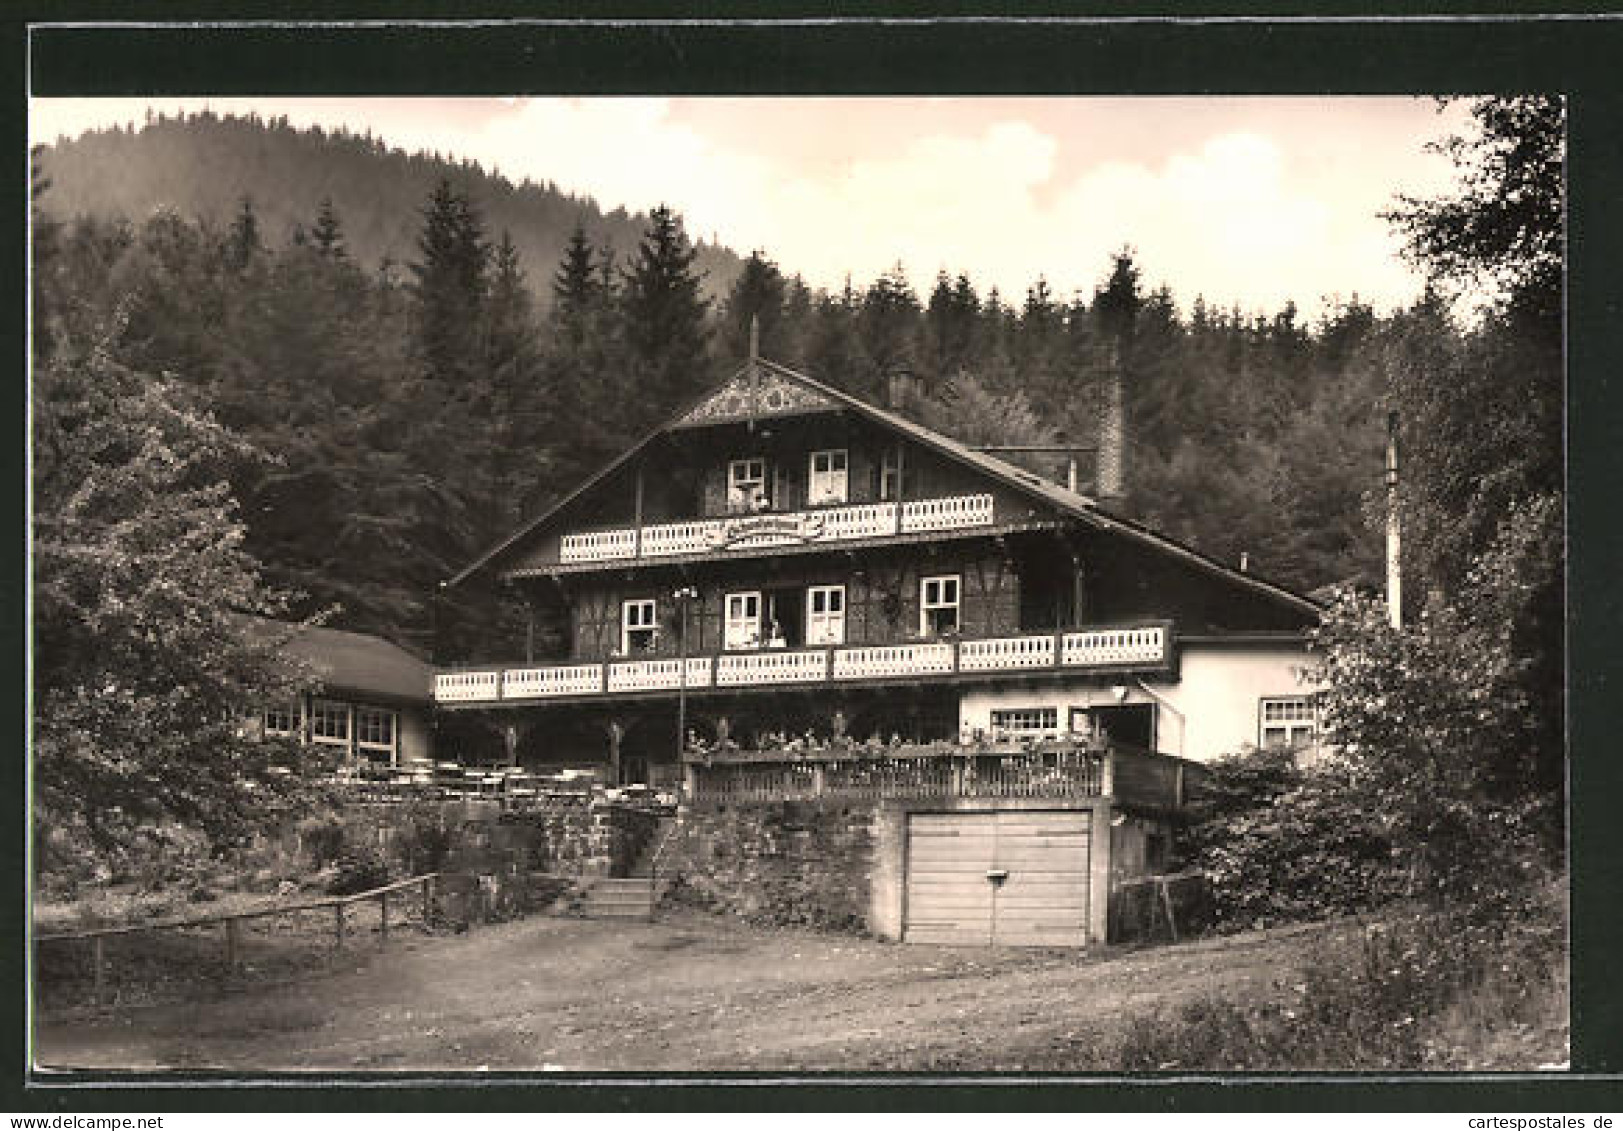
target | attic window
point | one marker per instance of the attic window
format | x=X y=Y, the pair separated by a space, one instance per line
x=746 y=486
x=828 y=481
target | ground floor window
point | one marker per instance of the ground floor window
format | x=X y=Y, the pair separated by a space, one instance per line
x=329 y=722
x=375 y=730
x=938 y=605
x=281 y=722
x=1025 y=720
x=1287 y=720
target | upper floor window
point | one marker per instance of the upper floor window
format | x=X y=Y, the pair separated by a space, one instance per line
x=825 y=614
x=374 y=729
x=329 y=722
x=828 y=480
x=938 y=606
x=890 y=475
x=1288 y=720
x=747 y=486
x=637 y=626
x=743 y=627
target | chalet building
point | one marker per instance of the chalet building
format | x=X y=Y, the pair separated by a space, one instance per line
x=825 y=599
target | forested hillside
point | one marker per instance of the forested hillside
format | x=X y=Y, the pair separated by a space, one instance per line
x=203 y=165
x=403 y=420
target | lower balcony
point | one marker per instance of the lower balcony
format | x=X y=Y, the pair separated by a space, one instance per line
x=1137 y=648
x=1062 y=767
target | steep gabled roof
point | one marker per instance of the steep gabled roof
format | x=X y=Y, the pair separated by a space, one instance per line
x=1034 y=486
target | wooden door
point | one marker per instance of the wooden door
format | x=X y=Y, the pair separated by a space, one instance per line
x=1011 y=878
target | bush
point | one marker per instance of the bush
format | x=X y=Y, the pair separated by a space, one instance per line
x=322 y=840
x=1280 y=843
x=359 y=871
x=1425 y=991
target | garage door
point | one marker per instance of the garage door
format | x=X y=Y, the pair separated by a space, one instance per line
x=1007 y=878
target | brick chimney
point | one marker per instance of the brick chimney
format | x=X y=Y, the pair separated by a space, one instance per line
x=1109 y=481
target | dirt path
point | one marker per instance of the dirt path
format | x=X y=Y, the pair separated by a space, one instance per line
x=689 y=993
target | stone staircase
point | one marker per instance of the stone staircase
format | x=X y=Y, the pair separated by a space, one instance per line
x=628 y=897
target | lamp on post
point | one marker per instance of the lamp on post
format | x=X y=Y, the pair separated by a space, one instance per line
x=682 y=596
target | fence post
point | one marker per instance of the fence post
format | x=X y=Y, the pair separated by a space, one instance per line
x=383 y=919
x=428 y=901
x=231 y=944
x=338 y=926
x=98 y=962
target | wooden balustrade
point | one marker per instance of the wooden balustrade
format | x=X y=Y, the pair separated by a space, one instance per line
x=773 y=528
x=1103 y=649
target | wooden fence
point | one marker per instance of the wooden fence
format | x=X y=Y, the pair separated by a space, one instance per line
x=231 y=924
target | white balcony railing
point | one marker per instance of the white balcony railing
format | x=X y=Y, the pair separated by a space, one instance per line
x=892 y=660
x=772 y=667
x=951 y=513
x=751 y=532
x=658 y=675
x=1105 y=648
x=1114 y=646
x=1006 y=654
x=538 y=683
x=467 y=687
x=599 y=546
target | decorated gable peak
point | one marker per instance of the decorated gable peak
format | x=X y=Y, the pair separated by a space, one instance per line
x=753 y=393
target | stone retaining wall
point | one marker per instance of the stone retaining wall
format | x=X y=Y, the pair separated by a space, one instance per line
x=783 y=863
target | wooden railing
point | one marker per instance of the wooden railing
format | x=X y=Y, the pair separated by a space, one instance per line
x=1053 y=767
x=1026 y=774
x=750 y=532
x=231 y=924
x=1105 y=649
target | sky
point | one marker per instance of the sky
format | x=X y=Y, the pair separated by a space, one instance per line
x=1248 y=202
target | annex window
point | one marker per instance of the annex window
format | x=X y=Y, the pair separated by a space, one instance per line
x=1288 y=721
x=1025 y=720
x=281 y=722
x=637 y=627
x=746 y=486
x=890 y=475
x=374 y=729
x=825 y=614
x=329 y=722
x=828 y=481
x=743 y=629
x=938 y=606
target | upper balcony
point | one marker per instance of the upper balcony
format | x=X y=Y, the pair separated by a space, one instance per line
x=744 y=533
x=1136 y=648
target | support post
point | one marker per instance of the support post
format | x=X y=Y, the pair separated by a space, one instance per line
x=232 y=949
x=636 y=549
x=428 y=901
x=338 y=926
x=98 y=962
x=383 y=919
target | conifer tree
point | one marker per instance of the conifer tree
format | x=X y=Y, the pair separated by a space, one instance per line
x=665 y=319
